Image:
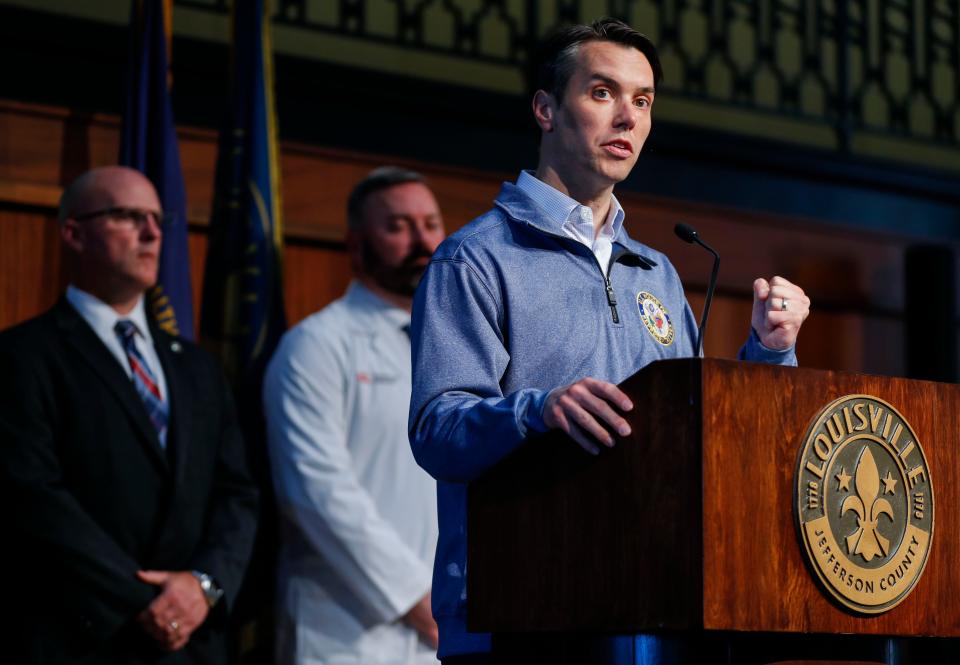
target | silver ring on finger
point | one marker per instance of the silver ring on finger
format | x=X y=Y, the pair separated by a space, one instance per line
x=783 y=304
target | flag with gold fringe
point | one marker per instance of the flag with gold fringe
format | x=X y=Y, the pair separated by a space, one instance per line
x=242 y=317
x=148 y=143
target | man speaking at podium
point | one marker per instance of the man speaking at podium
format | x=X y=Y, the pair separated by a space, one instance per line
x=529 y=316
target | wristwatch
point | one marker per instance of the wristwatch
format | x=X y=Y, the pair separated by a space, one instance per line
x=211 y=590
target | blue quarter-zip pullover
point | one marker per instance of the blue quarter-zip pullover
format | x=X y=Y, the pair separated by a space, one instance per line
x=508 y=310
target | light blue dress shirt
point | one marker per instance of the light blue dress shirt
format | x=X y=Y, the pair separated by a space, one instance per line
x=102 y=318
x=573 y=219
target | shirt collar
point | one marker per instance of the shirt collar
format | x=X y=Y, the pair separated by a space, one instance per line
x=362 y=297
x=559 y=208
x=102 y=317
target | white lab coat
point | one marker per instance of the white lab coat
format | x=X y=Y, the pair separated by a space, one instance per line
x=358 y=520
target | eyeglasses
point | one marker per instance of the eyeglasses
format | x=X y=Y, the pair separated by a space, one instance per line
x=129 y=217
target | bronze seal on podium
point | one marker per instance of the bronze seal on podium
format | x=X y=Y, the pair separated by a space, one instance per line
x=864 y=503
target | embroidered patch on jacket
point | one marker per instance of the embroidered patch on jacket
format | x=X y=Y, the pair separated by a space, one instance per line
x=655 y=318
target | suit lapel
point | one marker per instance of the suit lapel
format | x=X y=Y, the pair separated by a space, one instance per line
x=88 y=346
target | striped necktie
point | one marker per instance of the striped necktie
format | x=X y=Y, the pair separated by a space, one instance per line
x=143 y=379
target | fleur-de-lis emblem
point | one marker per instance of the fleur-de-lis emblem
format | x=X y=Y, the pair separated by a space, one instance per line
x=869 y=506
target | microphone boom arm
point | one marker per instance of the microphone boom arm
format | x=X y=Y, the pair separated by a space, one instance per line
x=706 y=305
x=689 y=234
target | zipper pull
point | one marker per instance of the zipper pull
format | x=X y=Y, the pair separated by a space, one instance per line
x=612 y=300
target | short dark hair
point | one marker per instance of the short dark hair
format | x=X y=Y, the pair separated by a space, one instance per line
x=553 y=63
x=375 y=181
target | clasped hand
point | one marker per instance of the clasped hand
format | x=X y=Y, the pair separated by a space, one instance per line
x=178 y=611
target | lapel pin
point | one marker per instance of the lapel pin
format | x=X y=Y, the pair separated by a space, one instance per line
x=176 y=347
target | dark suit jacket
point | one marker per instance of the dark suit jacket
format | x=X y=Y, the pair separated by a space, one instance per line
x=90 y=497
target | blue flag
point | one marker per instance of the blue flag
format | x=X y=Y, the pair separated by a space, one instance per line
x=148 y=143
x=243 y=316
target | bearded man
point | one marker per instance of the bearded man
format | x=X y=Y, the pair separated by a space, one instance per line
x=358 y=516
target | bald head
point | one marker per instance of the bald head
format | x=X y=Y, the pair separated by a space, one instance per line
x=107 y=187
x=110 y=219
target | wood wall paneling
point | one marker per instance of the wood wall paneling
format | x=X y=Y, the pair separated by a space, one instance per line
x=854 y=278
x=313 y=277
x=33 y=271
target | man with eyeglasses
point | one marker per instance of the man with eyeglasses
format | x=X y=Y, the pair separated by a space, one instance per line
x=131 y=512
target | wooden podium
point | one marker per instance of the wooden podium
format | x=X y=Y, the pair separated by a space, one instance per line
x=688 y=524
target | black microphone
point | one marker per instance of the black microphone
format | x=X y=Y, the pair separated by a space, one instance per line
x=689 y=234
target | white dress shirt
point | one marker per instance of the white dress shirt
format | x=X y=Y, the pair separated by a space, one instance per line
x=102 y=318
x=358 y=517
x=573 y=219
